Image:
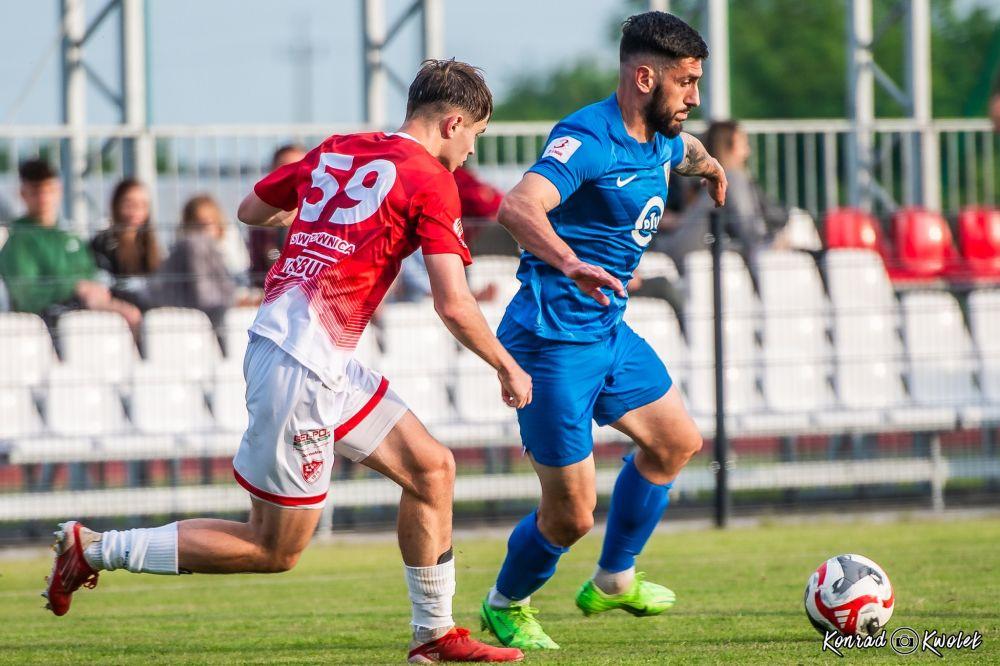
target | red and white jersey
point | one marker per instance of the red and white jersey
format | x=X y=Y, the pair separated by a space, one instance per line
x=365 y=202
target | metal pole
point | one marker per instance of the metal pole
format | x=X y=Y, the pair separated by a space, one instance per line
x=74 y=112
x=140 y=161
x=658 y=5
x=373 y=29
x=433 y=28
x=717 y=17
x=918 y=83
x=860 y=102
x=723 y=504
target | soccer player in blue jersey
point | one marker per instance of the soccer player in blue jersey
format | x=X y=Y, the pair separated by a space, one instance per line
x=583 y=214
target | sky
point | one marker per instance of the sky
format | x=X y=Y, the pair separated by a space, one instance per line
x=231 y=61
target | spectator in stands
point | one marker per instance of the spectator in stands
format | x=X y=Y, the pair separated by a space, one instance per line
x=128 y=249
x=195 y=273
x=266 y=243
x=752 y=221
x=49 y=271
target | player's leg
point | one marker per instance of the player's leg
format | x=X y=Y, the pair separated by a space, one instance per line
x=389 y=439
x=641 y=402
x=556 y=431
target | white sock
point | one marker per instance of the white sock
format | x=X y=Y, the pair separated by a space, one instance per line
x=497 y=600
x=146 y=550
x=431 y=590
x=614 y=582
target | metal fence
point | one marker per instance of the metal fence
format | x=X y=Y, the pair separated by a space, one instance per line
x=800 y=163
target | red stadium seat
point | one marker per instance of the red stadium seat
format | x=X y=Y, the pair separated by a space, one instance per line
x=854 y=228
x=979 y=238
x=924 y=247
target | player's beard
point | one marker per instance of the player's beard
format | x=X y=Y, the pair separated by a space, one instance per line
x=658 y=116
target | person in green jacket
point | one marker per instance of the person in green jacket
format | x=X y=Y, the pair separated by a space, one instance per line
x=47 y=270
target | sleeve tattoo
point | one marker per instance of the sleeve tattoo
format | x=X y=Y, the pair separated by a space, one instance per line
x=697 y=161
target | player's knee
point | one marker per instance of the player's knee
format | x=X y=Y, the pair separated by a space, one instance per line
x=277 y=561
x=570 y=526
x=437 y=469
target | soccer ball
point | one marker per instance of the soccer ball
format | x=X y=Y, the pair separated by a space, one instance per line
x=849 y=594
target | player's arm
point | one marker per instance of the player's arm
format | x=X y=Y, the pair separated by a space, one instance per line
x=257 y=213
x=524 y=213
x=697 y=162
x=457 y=307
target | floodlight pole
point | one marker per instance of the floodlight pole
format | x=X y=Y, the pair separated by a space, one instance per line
x=717 y=34
x=918 y=85
x=860 y=102
x=658 y=5
x=138 y=153
x=74 y=111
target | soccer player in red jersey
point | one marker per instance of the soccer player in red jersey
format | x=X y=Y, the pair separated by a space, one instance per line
x=356 y=206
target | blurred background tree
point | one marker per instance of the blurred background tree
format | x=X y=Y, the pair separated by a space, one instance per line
x=777 y=73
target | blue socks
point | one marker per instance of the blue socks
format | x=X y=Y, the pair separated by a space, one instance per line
x=531 y=560
x=636 y=507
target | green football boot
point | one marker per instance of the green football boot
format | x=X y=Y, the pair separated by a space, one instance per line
x=515 y=627
x=642 y=599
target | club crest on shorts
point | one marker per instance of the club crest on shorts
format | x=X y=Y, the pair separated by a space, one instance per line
x=309 y=445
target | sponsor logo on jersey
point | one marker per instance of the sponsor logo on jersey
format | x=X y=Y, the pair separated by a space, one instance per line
x=622 y=182
x=304 y=266
x=648 y=222
x=561 y=148
x=323 y=239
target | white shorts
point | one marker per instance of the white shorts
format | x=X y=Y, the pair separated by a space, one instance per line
x=297 y=423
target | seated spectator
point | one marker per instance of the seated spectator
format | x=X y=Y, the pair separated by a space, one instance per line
x=751 y=220
x=195 y=273
x=128 y=249
x=266 y=243
x=49 y=271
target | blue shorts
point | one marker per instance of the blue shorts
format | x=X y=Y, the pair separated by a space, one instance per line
x=576 y=382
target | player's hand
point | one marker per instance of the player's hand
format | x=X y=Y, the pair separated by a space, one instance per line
x=515 y=386
x=717 y=184
x=590 y=278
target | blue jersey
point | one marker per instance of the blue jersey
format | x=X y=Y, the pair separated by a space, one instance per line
x=612 y=193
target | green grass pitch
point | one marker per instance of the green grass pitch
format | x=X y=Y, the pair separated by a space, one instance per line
x=739 y=602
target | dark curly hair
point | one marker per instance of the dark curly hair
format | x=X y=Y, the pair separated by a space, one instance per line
x=660 y=34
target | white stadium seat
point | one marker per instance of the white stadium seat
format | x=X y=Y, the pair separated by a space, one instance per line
x=657 y=264
x=368 y=351
x=984 y=320
x=165 y=401
x=415 y=338
x=426 y=396
x=790 y=284
x=26 y=352
x=500 y=270
x=76 y=405
x=234 y=333
x=229 y=406
x=181 y=338
x=941 y=359
x=20 y=416
x=477 y=393
x=655 y=321
x=97 y=345
x=857 y=280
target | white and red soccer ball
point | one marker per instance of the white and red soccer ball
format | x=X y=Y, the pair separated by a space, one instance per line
x=849 y=594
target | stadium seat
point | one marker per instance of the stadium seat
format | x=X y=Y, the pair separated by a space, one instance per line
x=425 y=395
x=792 y=391
x=984 y=321
x=655 y=321
x=657 y=264
x=941 y=359
x=477 y=393
x=76 y=405
x=740 y=388
x=414 y=337
x=854 y=228
x=368 y=351
x=979 y=238
x=497 y=269
x=181 y=338
x=26 y=352
x=234 y=331
x=20 y=416
x=97 y=345
x=790 y=283
x=166 y=401
x=857 y=280
x=923 y=246
x=228 y=395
